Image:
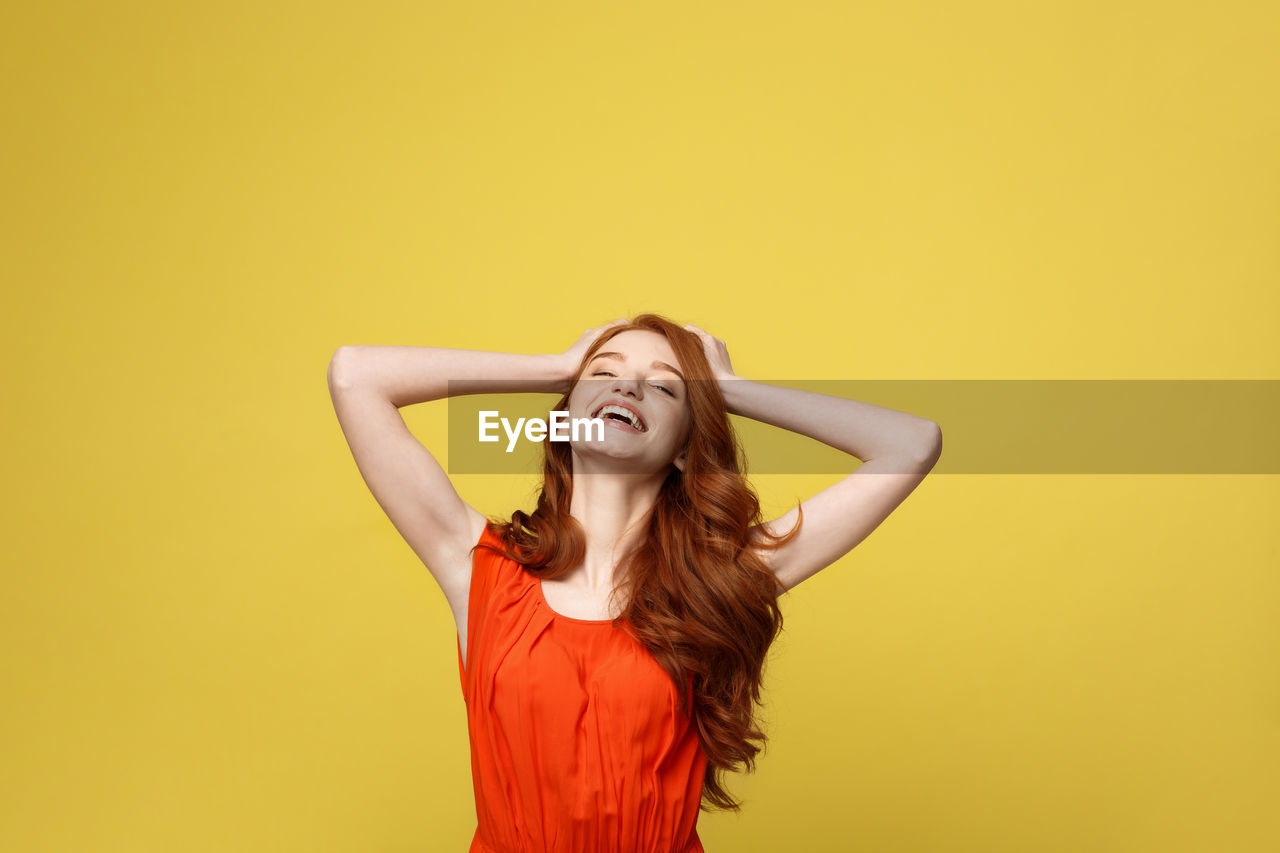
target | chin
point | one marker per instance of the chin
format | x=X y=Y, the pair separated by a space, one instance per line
x=628 y=463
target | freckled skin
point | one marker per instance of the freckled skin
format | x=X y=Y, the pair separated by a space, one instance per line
x=656 y=393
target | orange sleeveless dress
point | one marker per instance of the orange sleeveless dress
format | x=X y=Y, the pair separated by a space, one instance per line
x=577 y=743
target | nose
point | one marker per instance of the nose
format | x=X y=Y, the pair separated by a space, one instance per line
x=631 y=386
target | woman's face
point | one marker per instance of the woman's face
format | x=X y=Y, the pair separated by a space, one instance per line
x=636 y=371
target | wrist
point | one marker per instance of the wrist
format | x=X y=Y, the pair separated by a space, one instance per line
x=730 y=388
x=559 y=372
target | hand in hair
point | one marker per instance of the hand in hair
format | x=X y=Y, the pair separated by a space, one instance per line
x=569 y=360
x=717 y=353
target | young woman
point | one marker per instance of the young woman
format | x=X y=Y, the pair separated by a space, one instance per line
x=611 y=644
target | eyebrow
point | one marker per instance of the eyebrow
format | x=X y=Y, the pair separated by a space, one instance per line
x=620 y=357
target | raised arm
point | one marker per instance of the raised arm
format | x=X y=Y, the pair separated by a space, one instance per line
x=897 y=450
x=368 y=385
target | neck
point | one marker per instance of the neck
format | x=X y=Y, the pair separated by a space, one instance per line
x=613 y=510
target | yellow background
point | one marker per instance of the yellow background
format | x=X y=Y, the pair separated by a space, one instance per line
x=213 y=639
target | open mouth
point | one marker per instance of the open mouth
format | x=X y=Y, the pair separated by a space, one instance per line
x=622 y=415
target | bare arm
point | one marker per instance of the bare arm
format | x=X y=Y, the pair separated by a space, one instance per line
x=404 y=376
x=863 y=430
x=897 y=450
x=368 y=385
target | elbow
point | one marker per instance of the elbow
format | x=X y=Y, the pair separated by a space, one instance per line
x=339 y=372
x=932 y=435
x=929 y=447
x=916 y=452
x=923 y=451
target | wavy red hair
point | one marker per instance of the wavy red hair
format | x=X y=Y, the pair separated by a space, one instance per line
x=699 y=598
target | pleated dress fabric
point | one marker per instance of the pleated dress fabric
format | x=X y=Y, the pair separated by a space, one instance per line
x=577 y=741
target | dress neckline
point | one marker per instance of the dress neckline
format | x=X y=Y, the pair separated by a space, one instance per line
x=537 y=583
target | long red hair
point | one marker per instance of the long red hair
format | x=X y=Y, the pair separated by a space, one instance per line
x=699 y=599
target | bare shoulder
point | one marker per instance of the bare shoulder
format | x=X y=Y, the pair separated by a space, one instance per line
x=455 y=570
x=459 y=593
x=838 y=518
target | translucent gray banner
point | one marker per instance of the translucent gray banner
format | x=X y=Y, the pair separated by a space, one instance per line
x=997 y=426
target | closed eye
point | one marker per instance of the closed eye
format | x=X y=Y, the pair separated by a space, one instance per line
x=664 y=388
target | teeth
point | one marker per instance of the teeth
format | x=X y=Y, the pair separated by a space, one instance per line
x=629 y=415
